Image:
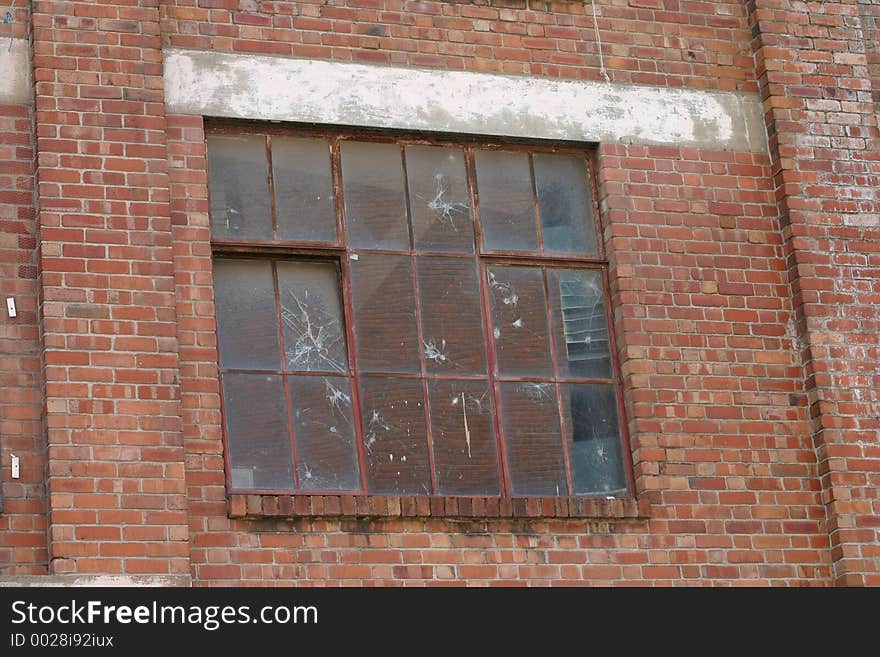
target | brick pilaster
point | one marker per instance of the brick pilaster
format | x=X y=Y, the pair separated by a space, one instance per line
x=814 y=76
x=116 y=484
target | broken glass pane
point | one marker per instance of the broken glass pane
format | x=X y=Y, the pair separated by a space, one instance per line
x=519 y=317
x=386 y=332
x=565 y=203
x=507 y=208
x=311 y=314
x=395 y=440
x=533 y=439
x=577 y=303
x=255 y=414
x=247 y=323
x=303 y=189
x=323 y=427
x=590 y=411
x=238 y=184
x=465 y=451
x=452 y=321
x=439 y=201
x=375 y=200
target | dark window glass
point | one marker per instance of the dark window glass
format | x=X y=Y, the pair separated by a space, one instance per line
x=565 y=204
x=366 y=345
x=375 y=209
x=507 y=207
x=256 y=428
x=238 y=184
x=303 y=189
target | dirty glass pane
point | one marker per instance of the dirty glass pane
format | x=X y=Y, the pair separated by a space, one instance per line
x=533 y=439
x=395 y=440
x=519 y=317
x=323 y=427
x=465 y=451
x=507 y=208
x=247 y=323
x=577 y=304
x=384 y=313
x=590 y=411
x=238 y=184
x=375 y=200
x=439 y=202
x=303 y=189
x=311 y=314
x=565 y=203
x=452 y=324
x=256 y=429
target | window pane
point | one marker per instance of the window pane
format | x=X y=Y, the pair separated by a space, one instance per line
x=238 y=183
x=439 y=201
x=375 y=206
x=565 y=203
x=507 y=208
x=462 y=432
x=594 y=431
x=384 y=313
x=533 y=439
x=326 y=453
x=256 y=428
x=395 y=440
x=452 y=325
x=314 y=333
x=247 y=322
x=519 y=316
x=577 y=302
x=303 y=189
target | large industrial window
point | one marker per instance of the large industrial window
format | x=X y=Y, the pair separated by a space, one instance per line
x=410 y=316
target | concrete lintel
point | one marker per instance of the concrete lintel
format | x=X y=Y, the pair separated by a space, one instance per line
x=15 y=83
x=97 y=581
x=341 y=93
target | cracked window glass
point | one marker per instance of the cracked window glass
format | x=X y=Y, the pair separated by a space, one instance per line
x=439 y=201
x=238 y=186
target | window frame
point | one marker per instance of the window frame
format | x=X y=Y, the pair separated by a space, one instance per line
x=339 y=253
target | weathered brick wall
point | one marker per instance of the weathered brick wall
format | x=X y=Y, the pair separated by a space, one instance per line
x=696 y=43
x=23 y=518
x=115 y=468
x=826 y=163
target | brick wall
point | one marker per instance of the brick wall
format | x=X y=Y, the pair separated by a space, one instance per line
x=746 y=301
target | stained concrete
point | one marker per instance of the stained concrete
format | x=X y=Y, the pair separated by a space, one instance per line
x=341 y=93
x=15 y=62
x=100 y=581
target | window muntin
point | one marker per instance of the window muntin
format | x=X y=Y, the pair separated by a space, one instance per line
x=443 y=330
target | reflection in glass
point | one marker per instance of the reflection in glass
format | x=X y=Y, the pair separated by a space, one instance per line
x=303 y=189
x=565 y=203
x=238 y=184
x=507 y=207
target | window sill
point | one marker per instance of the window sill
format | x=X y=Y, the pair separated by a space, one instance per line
x=241 y=505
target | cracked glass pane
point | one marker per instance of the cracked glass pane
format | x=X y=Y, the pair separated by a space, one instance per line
x=303 y=180
x=395 y=439
x=375 y=202
x=255 y=414
x=534 y=439
x=507 y=208
x=577 y=304
x=238 y=184
x=519 y=318
x=323 y=428
x=311 y=315
x=452 y=321
x=593 y=431
x=463 y=435
x=247 y=322
x=439 y=201
x=384 y=304
x=565 y=203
